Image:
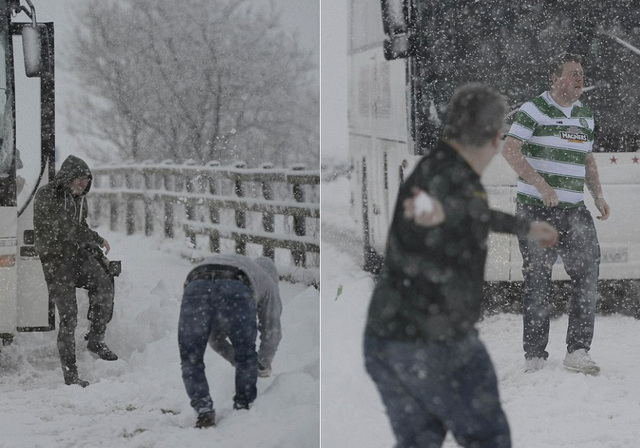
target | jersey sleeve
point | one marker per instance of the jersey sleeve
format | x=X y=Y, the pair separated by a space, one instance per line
x=523 y=125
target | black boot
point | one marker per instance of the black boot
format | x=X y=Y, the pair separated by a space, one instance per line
x=71 y=377
x=238 y=405
x=96 y=344
x=206 y=419
x=101 y=349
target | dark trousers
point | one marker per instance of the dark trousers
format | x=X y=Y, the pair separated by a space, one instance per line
x=63 y=276
x=578 y=246
x=229 y=307
x=439 y=387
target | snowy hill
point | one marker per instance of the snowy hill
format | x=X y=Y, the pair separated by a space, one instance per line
x=551 y=408
x=139 y=400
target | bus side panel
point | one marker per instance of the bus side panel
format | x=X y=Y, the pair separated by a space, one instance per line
x=8 y=273
x=499 y=181
x=35 y=311
x=618 y=236
x=377 y=140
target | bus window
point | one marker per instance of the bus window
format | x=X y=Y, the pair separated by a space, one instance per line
x=28 y=142
x=444 y=51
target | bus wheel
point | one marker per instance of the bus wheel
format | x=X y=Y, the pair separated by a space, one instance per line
x=372 y=261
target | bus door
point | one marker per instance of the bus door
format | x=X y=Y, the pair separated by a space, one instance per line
x=26 y=163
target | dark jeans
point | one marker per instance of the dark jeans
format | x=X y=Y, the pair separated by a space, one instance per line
x=63 y=276
x=229 y=306
x=431 y=389
x=578 y=246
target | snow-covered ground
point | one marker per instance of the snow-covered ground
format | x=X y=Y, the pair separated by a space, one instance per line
x=550 y=408
x=139 y=400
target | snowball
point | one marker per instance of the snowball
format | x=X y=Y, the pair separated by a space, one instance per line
x=423 y=203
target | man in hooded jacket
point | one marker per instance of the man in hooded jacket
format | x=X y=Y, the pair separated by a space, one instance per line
x=72 y=258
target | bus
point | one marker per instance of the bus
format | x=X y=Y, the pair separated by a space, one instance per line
x=27 y=156
x=406 y=57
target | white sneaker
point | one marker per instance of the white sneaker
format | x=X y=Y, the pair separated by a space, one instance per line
x=580 y=361
x=533 y=365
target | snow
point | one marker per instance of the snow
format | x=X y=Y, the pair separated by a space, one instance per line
x=550 y=408
x=423 y=204
x=139 y=400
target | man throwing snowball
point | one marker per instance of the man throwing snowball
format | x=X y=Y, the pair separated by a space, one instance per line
x=421 y=346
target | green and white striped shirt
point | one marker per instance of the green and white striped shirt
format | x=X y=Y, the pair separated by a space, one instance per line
x=556 y=143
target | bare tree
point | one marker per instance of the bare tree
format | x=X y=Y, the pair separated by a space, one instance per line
x=193 y=80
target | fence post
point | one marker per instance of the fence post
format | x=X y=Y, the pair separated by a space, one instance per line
x=113 y=206
x=241 y=215
x=168 y=202
x=130 y=216
x=268 y=218
x=148 y=202
x=96 y=202
x=214 y=212
x=299 y=224
x=190 y=204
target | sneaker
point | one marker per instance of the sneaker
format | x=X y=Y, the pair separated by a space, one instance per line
x=264 y=372
x=533 y=365
x=580 y=361
x=206 y=419
x=101 y=349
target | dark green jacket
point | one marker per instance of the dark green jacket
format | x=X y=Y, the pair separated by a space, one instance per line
x=60 y=218
x=430 y=287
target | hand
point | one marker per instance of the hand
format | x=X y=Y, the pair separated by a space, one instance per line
x=264 y=372
x=544 y=233
x=603 y=208
x=19 y=184
x=549 y=196
x=423 y=209
x=106 y=246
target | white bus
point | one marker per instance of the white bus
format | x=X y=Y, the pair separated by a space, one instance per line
x=403 y=70
x=27 y=147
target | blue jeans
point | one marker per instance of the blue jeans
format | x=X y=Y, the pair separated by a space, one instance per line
x=229 y=306
x=431 y=389
x=578 y=246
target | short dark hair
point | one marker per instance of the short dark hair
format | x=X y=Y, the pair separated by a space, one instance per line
x=475 y=115
x=556 y=62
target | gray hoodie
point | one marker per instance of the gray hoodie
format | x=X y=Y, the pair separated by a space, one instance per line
x=263 y=275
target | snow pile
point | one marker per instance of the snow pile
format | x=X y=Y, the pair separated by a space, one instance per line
x=139 y=400
x=551 y=408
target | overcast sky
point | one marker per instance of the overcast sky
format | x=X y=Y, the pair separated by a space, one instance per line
x=334 y=80
x=302 y=16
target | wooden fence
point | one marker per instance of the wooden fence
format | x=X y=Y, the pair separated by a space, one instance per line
x=258 y=211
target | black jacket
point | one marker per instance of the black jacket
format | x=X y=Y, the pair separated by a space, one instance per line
x=430 y=287
x=60 y=218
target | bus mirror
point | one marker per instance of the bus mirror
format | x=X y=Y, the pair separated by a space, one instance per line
x=396 y=47
x=32 y=41
x=394 y=17
x=394 y=22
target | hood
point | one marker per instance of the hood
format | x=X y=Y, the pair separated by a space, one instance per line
x=73 y=168
x=269 y=267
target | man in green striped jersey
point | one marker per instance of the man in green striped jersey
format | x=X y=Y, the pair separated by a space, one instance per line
x=549 y=146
